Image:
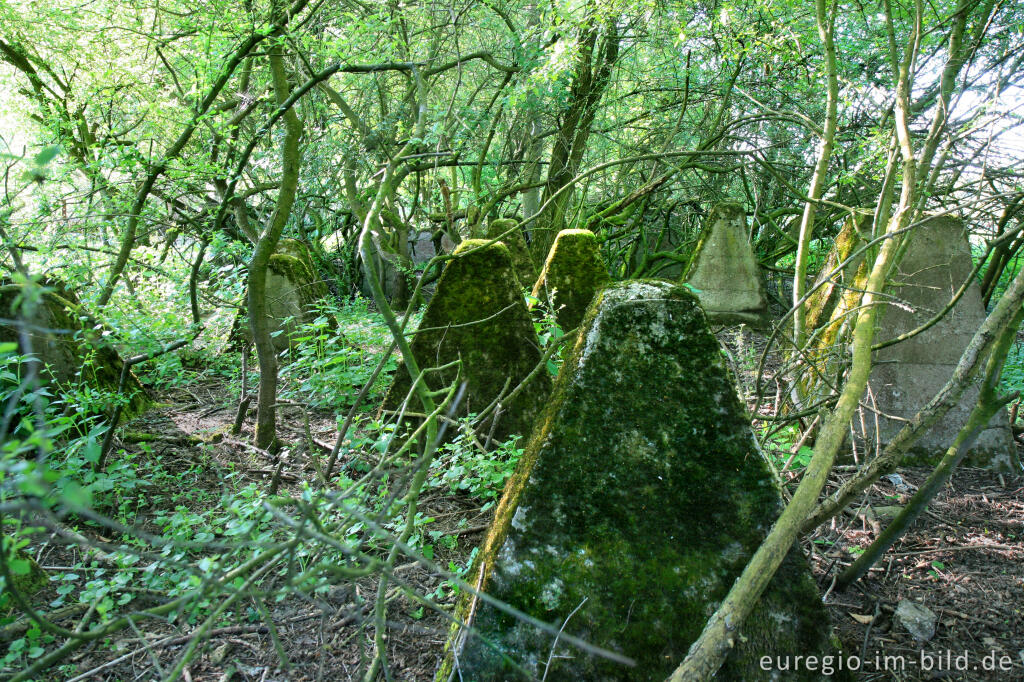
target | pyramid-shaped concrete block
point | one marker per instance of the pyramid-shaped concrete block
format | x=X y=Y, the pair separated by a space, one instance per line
x=294 y=289
x=478 y=315
x=512 y=237
x=724 y=270
x=70 y=347
x=573 y=272
x=638 y=501
x=905 y=376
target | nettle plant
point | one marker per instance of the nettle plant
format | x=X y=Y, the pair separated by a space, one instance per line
x=463 y=466
x=548 y=330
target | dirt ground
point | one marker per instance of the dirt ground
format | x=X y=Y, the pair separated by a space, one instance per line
x=962 y=559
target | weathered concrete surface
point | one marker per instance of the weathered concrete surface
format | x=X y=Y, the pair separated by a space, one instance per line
x=69 y=342
x=293 y=291
x=636 y=504
x=513 y=238
x=937 y=261
x=573 y=273
x=478 y=314
x=725 y=272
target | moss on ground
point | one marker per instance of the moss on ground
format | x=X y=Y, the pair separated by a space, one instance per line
x=478 y=315
x=638 y=501
x=573 y=272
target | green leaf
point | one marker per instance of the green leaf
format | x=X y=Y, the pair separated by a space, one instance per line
x=20 y=566
x=47 y=155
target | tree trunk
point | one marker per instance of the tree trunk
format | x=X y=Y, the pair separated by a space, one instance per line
x=266 y=423
x=592 y=74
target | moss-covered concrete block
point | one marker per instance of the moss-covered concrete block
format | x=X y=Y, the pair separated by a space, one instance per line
x=293 y=291
x=638 y=501
x=478 y=315
x=725 y=272
x=573 y=272
x=71 y=346
x=512 y=237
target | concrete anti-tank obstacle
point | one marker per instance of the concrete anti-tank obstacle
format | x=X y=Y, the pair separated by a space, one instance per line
x=293 y=291
x=725 y=272
x=637 y=502
x=512 y=237
x=905 y=376
x=573 y=272
x=63 y=336
x=478 y=315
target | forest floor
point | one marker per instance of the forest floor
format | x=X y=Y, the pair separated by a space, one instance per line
x=963 y=560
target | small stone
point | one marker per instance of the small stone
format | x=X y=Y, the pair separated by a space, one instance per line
x=897 y=481
x=916 y=619
x=220 y=653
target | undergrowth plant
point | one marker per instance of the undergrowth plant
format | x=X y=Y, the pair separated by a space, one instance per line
x=328 y=364
x=463 y=466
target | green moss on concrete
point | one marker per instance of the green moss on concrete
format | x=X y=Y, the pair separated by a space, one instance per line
x=71 y=345
x=293 y=291
x=639 y=500
x=296 y=249
x=478 y=314
x=525 y=269
x=573 y=273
